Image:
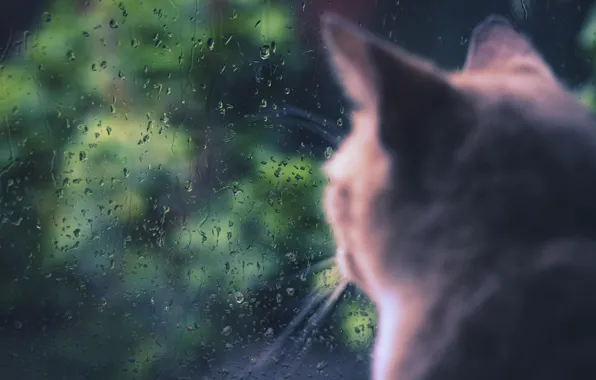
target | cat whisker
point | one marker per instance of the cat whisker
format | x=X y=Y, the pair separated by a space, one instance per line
x=317 y=296
x=321 y=265
x=313 y=324
x=290 y=115
x=312 y=267
x=299 y=113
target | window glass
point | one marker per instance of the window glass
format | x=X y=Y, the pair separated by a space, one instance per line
x=160 y=183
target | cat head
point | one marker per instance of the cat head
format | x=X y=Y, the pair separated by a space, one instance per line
x=438 y=162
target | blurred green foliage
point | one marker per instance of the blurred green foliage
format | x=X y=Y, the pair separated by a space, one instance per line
x=143 y=215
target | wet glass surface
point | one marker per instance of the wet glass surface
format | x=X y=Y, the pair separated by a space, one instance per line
x=160 y=186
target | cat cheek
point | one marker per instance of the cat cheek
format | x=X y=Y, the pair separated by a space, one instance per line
x=328 y=207
x=348 y=268
x=342 y=264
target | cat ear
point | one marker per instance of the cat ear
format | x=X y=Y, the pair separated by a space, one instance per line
x=404 y=91
x=374 y=72
x=496 y=45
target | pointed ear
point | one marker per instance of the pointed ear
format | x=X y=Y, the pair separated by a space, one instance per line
x=496 y=45
x=349 y=56
x=374 y=72
x=417 y=108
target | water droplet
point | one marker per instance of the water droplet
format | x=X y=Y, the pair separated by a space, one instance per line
x=268 y=333
x=522 y=9
x=265 y=52
x=239 y=297
x=328 y=152
x=321 y=365
x=291 y=291
x=278 y=298
x=47 y=16
x=113 y=24
x=340 y=122
x=227 y=330
x=211 y=43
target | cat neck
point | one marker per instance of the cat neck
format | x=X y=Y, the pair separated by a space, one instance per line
x=399 y=316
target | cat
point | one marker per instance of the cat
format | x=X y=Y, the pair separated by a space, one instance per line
x=462 y=203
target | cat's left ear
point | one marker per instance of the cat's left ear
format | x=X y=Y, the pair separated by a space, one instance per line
x=400 y=88
x=374 y=72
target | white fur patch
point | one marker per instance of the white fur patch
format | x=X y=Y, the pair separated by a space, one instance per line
x=386 y=348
